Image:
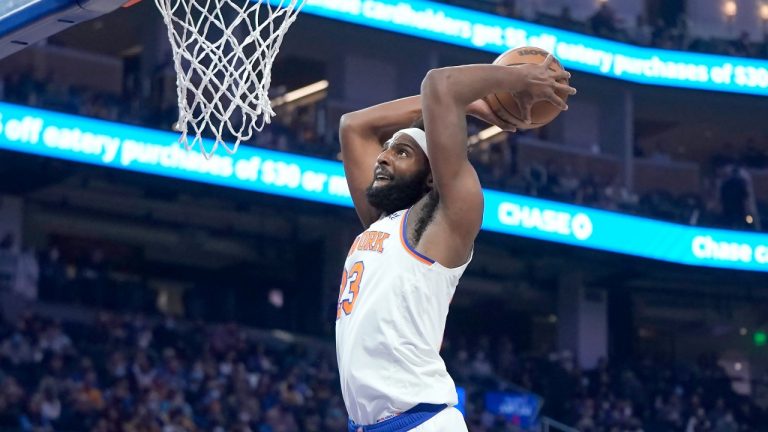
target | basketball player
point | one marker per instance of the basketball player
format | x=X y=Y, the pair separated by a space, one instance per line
x=421 y=203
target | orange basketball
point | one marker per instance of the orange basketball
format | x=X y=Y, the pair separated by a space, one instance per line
x=504 y=105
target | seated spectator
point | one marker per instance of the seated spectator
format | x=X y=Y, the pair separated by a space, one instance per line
x=659 y=153
x=603 y=22
x=726 y=155
x=568 y=183
x=618 y=196
x=537 y=179
x=754 y=156
x=734 y=197
x=506 y=8
x=742 y=46
x=7 y=242
x=679 y=33
x=567 y=21
x=642 y=33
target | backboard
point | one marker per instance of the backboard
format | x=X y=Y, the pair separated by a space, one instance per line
x=24 y=22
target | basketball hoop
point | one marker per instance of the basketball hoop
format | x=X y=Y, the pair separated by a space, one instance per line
x=223 y=52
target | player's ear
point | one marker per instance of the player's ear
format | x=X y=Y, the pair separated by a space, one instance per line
x=430 y=181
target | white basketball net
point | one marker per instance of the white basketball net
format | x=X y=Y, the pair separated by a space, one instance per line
x=223 y=52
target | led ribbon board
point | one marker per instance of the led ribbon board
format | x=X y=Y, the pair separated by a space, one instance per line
x=518 y=407
x=496 y=34
x=132 y=148
x=149 y=151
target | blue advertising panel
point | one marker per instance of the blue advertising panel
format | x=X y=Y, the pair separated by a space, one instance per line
x=495 y=34
x=598 y=229
x=114 y=145
x=519 y=408
x=157 y=152
x=462 y=405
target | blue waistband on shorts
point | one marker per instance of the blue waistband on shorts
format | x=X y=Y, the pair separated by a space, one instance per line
x=403 y=422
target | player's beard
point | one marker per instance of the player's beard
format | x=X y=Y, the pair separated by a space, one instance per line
x=398 y=194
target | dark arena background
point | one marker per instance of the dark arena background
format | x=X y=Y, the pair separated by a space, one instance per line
x=620 y=282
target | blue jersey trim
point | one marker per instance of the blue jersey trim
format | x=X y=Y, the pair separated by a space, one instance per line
x=403 y=422
x=404 y=235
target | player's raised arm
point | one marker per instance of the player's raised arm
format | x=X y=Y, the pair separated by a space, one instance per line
x=361 y=134
x=446 y=93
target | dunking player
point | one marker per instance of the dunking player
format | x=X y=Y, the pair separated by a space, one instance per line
x=421 y=202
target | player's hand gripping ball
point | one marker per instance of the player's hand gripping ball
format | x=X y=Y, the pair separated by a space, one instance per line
x=544 y=96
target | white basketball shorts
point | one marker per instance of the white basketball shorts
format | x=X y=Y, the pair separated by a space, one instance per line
x=447 y=420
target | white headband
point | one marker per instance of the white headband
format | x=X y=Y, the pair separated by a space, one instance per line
x=418 y=135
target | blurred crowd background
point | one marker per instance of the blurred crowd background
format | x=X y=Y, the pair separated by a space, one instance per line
x=113 y=372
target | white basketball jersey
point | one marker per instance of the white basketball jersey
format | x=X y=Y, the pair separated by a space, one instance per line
x=393 y=304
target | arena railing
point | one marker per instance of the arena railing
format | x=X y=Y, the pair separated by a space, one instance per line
x=548 y=424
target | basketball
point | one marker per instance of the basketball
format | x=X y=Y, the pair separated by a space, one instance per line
x=504 y=105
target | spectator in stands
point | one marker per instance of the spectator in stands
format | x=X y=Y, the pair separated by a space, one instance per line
x=568 y=183
x=27 y=275
x=739 y=210
x=567 y=21
x=7 y=242
x=742 y=46
x=660 y=34
x=590 y=193
x=92 y=276
x=698 y=422
x=536 y=177
x=506 y=8
x=679 y=33
x=726 y=155
x=754 y=156
x=642 y=33
x=603 y=23
x=618 y=196
x=48 y=399
x=726 y=423
x=53 y=276
x=659 y=153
